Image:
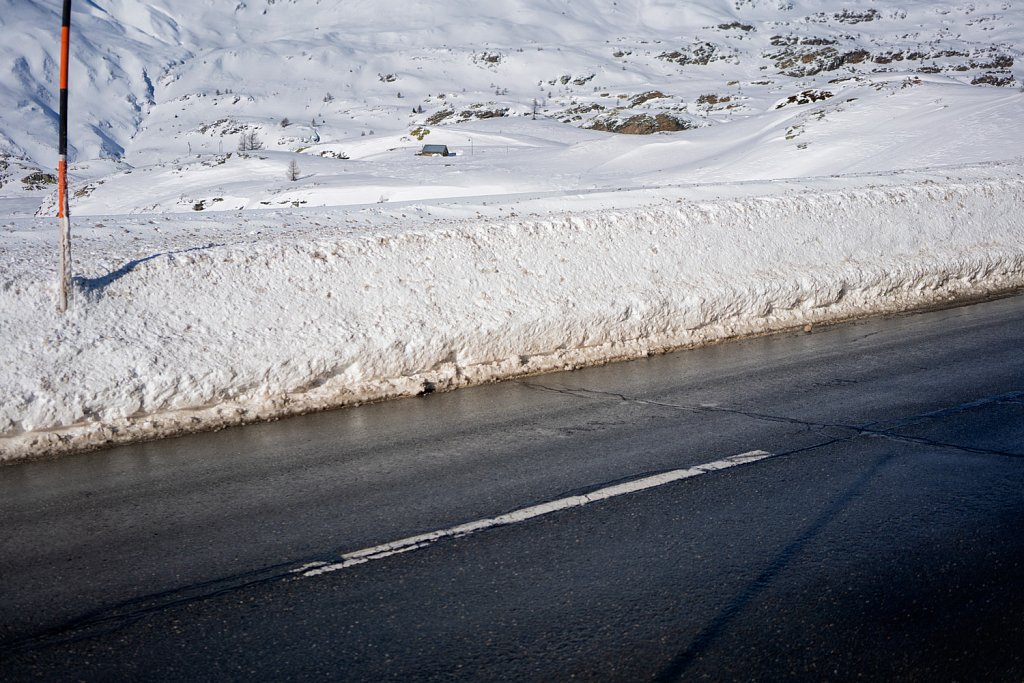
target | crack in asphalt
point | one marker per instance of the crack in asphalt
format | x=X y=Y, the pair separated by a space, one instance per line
x=876 y=429
x=583 y=393
x=922 y=441
x=1011 y=397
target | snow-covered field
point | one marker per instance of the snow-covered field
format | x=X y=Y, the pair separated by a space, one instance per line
x=805 y=161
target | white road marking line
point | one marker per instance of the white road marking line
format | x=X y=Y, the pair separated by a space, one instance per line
x=405 y=545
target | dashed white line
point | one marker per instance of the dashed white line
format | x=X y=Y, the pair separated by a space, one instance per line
x=379 y=552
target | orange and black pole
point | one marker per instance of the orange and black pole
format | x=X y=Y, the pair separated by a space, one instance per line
x=63 y=204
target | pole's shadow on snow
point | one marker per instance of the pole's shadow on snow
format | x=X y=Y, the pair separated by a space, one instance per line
x=94 y=286
x=91 y=285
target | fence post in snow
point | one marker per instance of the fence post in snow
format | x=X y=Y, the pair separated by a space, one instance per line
x=63 y=203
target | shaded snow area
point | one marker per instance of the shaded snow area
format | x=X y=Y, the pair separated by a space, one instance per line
x=189 y=322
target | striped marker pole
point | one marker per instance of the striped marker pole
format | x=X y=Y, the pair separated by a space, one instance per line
x=63 y=204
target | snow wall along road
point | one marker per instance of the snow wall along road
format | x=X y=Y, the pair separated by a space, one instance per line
x=261 y=328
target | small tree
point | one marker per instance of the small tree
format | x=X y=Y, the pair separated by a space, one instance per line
x=293 y=170
x=249 y=141
x=285 y=122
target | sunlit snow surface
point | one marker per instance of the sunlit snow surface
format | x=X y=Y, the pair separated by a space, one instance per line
x=162 y=91
x=841 y=159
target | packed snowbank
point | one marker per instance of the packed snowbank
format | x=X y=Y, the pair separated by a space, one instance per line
x=290 y=312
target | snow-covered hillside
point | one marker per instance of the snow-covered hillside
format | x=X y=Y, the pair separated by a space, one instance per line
x=163 y=91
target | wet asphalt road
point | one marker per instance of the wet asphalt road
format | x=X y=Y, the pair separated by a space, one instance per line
x=881 y=541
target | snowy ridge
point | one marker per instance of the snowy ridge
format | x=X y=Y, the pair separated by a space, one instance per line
x=340 y=307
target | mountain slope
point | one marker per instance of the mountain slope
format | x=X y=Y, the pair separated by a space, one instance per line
x=163 y=92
